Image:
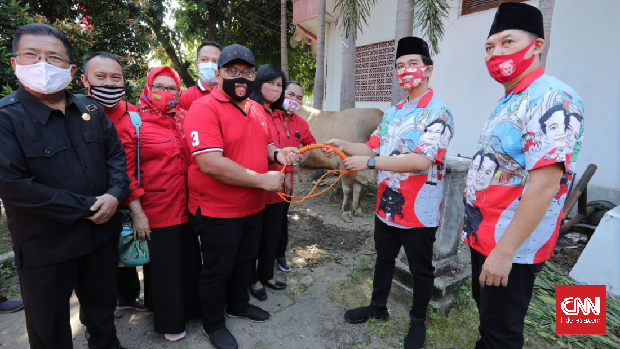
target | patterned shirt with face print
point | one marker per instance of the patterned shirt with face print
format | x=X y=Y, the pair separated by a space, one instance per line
x=539 y=123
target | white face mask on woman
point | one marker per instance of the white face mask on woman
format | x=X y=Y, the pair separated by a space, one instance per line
x=43 y=77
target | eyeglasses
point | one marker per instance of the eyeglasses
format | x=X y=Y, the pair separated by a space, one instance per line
x=31 y=57
x=234 y=72
x=170 y=89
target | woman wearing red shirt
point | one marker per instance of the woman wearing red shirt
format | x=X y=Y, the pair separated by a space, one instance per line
x=158 y=203
x=269 y=93
x=297 y=133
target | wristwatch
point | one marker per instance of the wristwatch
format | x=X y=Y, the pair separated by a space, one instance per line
x=371 y=163
x=275 y=157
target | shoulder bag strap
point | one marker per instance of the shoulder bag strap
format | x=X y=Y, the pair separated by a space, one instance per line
x=137 y=122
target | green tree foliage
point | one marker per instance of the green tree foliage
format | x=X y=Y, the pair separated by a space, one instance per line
x=14 y=15
x=115 y=26
x=429 y=17
x=136 y=31
x=252 y=23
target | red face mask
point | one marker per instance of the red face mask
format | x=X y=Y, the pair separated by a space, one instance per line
x=163 y=100
x=411 y=77
x=505 y=68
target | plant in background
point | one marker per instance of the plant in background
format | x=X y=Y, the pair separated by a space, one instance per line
x=7 y=268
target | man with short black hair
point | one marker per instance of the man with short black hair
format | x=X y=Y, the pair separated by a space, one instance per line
x=205 y=64
x=526 y=153
x=104 y=79
x=408 y=151
x=62 y=175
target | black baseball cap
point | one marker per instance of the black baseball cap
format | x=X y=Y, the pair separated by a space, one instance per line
x=233 y=52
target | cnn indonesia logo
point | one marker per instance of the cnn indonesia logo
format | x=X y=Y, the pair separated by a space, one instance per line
x=580 y=309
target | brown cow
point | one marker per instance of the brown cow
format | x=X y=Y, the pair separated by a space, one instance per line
x=353 y=125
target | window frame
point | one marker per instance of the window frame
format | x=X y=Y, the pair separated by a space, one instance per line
x=493 y=4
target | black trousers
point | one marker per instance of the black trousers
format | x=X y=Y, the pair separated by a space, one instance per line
x=128 y=284
x=418 y=245
x=502 y=309
x=283 y=244
x=229 y=247
x=46 y=291
x=173 y=277
x=268 y=244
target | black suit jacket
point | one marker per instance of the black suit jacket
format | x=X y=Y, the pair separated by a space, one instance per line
x=52 y=167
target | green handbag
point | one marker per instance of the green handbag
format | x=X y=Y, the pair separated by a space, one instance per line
x=131 y=252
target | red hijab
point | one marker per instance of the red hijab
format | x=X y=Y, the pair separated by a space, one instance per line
x=145 y=102
x=146 y=105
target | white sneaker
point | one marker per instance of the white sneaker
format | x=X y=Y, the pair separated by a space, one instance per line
x=175 y=337
x=281 y=263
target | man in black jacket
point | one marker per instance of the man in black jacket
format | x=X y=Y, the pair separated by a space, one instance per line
x=62 y=176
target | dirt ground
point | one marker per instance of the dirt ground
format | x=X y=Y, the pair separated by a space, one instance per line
x=324 y=251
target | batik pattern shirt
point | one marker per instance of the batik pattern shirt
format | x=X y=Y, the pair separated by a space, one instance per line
x=410 y=200
x=540 y=123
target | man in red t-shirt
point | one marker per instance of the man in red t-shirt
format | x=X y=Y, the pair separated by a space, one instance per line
x=206 y=64
x=104 y=78
x=231 y=149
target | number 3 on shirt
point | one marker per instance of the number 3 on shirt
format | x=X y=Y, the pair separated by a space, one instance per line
x=195 y=140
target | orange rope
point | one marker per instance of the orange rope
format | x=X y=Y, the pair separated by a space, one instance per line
x=312 y=194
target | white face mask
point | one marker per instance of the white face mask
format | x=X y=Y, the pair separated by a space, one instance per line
x=43 y=77
x=290 y=105
x=206 y=71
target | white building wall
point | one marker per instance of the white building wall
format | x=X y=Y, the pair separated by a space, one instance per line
x=583 y=54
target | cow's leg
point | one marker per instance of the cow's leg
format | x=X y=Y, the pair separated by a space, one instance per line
x=357 y=208
x=347 y=186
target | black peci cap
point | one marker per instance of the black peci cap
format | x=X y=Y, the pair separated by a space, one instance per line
x=233 y=52
x=411 y=45
x=511 y=15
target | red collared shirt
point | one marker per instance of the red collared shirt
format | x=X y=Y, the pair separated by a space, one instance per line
x=164 y=163
x=275 y=121
x=297 y=134
x=527 y=81
x=216 y=124
x=192 y=94
x=116 y=114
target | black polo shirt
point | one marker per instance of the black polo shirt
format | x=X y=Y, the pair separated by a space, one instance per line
x=52 y=167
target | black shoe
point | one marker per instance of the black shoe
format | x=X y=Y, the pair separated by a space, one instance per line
x=222 y=338
x=416 y=338
x=136 y=305
x=275 y=286
x=10 y=306
x=259 y=294
x=252 y=313
x=281 y=263
x=361 y=315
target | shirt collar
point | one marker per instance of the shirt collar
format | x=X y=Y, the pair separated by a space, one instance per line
x=219 y=95
x=423 y=103
x=36 y=108
x=527 y=81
